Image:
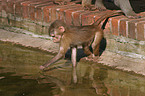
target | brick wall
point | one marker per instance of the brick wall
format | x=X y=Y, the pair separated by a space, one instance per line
x=36 y=15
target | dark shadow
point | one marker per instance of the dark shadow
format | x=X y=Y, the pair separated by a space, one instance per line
x=138 y=6
x=103 y=45
x=81 y=54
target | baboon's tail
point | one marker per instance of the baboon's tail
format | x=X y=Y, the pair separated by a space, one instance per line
x=118 y=12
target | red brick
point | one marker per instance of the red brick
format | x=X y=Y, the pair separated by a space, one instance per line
x=32 y=9
x=68 y=14
x=36 y=9
x=141 y=31
x=87 y=18
x=56 y=11
x=38 y=14
x=123 y=26
x=0 y=6
x=28 y=11
x=113 y=20
x=12 y=8
x=46 y=13
x=60 y=13
x=4 y=5
x=39 y=10
x=49 y=11
x=76 y=17
x=18 y=7
x=103 y=24
x=98 y=15
x=115 y=25
x=53 y=14
x=10 y=5
x=132 y=31
x=32 y=12
x=25 y=10
x=37 y=2
x=45 y=2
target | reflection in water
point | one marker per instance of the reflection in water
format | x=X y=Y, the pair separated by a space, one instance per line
x=83 y=84
x=20 y=76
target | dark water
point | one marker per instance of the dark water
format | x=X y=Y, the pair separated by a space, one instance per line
x=20 y=76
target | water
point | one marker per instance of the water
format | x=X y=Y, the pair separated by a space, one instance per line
x=20 y=76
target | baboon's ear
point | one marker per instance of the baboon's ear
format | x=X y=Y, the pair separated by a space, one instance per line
x=61 y=29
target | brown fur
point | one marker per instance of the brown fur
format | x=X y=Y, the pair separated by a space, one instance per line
x=72 y=36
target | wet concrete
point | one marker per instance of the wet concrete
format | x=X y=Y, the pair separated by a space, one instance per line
x=20 y=76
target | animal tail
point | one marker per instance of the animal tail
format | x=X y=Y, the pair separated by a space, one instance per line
x=118 y=12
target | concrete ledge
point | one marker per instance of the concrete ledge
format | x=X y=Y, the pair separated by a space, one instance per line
x=28 y=41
